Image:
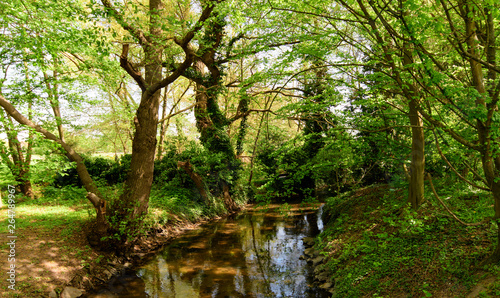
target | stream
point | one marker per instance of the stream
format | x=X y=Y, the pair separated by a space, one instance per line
x=255 y=253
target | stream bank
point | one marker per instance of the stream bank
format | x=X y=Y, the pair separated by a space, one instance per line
x=256 y=253
x=112 y=266
x=374 y=245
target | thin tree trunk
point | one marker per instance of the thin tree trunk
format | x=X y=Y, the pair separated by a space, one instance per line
x=198 y=181
x=163 y=125
x=484 y=131
x=93 y=194
x=417 y=166
x=54 y=102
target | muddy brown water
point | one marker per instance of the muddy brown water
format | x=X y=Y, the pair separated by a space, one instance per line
x=255 y=253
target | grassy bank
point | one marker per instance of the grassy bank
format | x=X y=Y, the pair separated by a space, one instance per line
x=378 y=247
x=51 y=247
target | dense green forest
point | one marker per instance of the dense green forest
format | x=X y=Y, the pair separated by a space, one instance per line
x=136 y=115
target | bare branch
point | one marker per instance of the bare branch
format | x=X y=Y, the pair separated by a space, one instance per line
x=177 y=113
x=135 y=74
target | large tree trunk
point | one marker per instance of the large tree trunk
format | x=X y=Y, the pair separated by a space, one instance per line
x=25 y=183
x=140 y=178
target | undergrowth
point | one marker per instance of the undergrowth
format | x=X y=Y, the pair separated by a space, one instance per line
x=378 y=247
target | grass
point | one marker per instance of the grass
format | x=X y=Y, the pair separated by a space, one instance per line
x=176 y=203
x=50 y=244
x=378 y=247
x=67 y=213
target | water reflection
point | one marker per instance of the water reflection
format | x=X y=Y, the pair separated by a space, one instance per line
x=255 y=254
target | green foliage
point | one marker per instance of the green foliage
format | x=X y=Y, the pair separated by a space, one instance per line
x=212 y=167
x=375 y=241
x=6 y=176
x=102 y=170
x=295 y=168
x=67 y=193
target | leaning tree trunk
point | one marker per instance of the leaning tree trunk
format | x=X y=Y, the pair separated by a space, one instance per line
x=93 y=193
x=198 y=181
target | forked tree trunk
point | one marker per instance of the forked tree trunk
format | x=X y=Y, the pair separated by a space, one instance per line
x=134 y=201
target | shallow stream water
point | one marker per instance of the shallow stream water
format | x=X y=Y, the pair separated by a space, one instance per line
x=255 y=253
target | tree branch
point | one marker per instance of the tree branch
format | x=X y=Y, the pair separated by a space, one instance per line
x=137 y=33
x=129 y=68
x=177 y=113
x=241 y=115
x=453 y=168
x=486 y=220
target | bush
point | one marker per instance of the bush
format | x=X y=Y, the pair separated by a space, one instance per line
x=100 y=169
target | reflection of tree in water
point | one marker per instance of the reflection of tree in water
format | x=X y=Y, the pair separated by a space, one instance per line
x=256 y=255
x=278 y=250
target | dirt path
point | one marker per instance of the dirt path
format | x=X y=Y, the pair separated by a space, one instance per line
x=44 y=261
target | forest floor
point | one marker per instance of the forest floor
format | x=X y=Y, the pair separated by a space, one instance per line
x=52 y=251
x=377 y=247
x=49 y=249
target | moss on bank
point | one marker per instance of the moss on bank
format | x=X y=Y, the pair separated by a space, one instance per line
x=378 y=247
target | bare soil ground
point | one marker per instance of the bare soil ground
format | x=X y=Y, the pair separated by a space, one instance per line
x=44 y=261
x=48 y=260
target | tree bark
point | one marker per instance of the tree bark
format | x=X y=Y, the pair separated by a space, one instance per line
x=417 y=166
x=134 y=201
x=211 y=123
x=198 y=181
x=163 y=125
x=486 y=149
x=140 y=178
x=20 y=164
